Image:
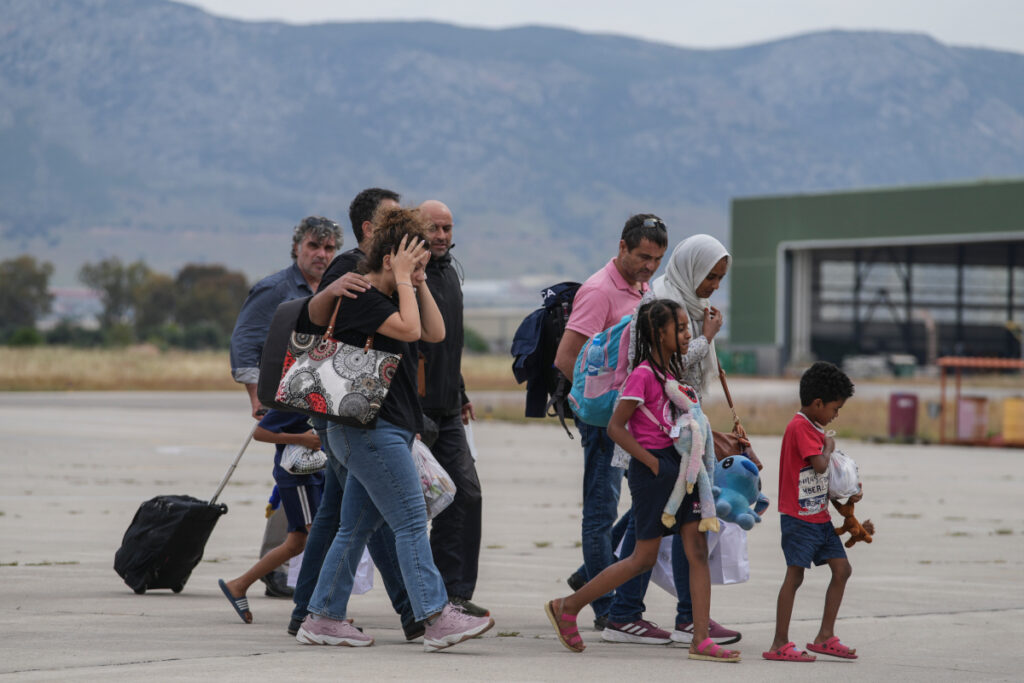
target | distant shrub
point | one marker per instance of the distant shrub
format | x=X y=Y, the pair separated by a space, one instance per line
x=204 y=335
x=119 y=334
x=473 y=341
x=25 y=336
x=167 y=336
x=66 y=333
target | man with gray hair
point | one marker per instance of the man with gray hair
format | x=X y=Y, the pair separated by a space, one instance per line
x=314 y=243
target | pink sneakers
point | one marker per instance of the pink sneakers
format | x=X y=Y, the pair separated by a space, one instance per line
x=451 y=627
x=317 y=630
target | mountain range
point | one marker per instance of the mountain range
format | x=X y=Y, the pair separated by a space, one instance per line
x=151 y=129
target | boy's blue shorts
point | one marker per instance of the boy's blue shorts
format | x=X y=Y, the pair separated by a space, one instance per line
x=300 y=504
x=806 y=542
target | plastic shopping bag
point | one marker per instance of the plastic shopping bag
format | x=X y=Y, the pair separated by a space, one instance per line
x=727 y=554
x=363 y=579
x=843 y=477
x=727 y=558
x=300 y=460
x=438 y=487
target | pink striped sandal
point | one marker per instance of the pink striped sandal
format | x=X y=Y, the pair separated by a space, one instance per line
x=569 y=635
x=710 y=651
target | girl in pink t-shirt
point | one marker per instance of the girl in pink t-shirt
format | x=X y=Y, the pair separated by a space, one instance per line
x=662 y=337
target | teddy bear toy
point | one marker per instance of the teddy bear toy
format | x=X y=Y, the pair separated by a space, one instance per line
x=738 y=486
x=858 y=531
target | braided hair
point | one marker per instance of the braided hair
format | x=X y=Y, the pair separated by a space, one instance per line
x=650 y=319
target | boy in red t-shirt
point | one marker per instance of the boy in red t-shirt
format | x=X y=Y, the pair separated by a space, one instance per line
x=807 y=532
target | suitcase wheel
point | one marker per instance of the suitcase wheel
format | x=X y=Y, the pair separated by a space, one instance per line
x=140 y=590
x=180 y=587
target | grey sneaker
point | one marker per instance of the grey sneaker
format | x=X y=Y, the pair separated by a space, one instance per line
x=639 y=631
x=453 y=626
x=316 y=630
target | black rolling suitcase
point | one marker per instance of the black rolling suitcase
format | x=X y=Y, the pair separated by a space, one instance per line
x=166 y=538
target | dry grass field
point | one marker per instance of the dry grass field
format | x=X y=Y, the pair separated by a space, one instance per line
x=147 y=368
x=134 y=368
x=488 y=377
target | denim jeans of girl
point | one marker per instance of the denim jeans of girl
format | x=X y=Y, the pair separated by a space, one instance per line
x=383 y=486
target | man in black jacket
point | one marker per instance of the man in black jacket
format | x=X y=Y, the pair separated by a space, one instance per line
x=455 y=533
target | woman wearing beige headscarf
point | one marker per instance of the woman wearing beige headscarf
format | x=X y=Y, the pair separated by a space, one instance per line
x=695 y=270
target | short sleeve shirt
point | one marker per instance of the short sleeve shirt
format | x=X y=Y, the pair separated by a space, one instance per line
x=602 y=300
x=344 y=262
x=282 y=422
x=359 y=318
x=803 y=493
x=643 y=386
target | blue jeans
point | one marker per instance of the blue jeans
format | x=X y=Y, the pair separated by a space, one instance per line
x=383 y=486
x=323 y=530
x=602 y=484
x=628 y=604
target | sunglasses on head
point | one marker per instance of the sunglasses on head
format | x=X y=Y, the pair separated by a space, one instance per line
x=649 y=223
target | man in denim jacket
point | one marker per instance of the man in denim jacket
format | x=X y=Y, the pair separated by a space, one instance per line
x=314 y=243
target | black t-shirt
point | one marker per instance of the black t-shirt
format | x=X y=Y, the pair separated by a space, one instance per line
x=344 y=262
x=360 y=317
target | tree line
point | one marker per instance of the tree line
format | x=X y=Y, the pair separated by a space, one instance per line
x=194 y=309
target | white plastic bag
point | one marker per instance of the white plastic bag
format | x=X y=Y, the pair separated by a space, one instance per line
x=300 y=460
x=364 y=573
x=843 y=477
x=727 y=554
x=468 y=428
x=661 y=574
x=438 y=487
x=363 y=582
x=727 y=558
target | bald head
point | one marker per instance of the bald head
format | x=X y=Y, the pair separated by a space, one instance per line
x=440 y=236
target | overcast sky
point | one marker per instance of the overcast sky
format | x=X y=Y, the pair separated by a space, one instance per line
x=997 y=24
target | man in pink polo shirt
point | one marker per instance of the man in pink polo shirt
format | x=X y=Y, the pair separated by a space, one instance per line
x=604 y=298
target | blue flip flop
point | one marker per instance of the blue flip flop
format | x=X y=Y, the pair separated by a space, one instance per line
x=241 y=604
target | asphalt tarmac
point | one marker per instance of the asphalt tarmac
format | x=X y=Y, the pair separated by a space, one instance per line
x=938 y=595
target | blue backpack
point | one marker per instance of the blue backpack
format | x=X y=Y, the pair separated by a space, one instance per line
x=599 y=372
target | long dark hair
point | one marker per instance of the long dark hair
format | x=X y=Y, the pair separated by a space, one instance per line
x=650 y=320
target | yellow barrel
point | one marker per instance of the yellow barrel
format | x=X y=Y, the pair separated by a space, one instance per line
x=1013 y=421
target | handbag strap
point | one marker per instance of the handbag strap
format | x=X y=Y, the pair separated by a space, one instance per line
x=330 y=328
x=737 y=428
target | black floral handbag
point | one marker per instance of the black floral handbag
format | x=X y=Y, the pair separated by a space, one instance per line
x=329 y=378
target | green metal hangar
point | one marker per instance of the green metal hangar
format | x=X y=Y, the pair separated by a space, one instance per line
x=926 y=271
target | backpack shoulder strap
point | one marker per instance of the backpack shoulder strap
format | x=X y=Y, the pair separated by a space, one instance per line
x=644 y=410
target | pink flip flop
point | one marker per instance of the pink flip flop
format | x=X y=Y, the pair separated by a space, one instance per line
x=832 y=647
x=788 y=653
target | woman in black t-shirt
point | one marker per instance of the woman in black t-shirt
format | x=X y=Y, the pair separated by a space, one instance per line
x=383 y=484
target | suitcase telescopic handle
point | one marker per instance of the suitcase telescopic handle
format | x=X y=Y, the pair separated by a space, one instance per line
x=234 y=463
